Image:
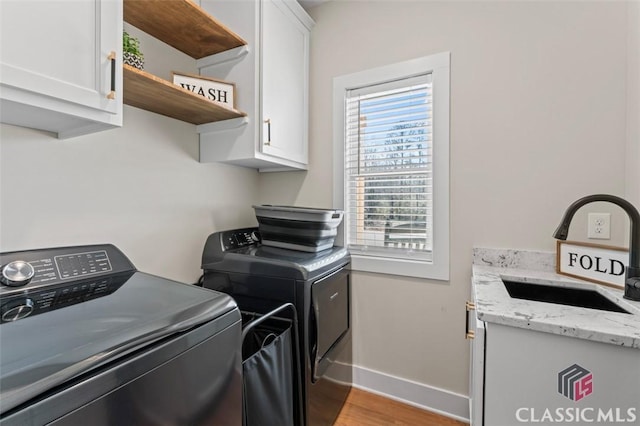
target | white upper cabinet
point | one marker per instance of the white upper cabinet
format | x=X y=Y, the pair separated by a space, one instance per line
x=61 y=65
x=272 y=80
x=284 y=83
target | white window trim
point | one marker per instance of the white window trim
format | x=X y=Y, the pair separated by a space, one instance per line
x=438 y=65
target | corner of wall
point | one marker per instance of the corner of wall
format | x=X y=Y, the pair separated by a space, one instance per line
x=632 y=189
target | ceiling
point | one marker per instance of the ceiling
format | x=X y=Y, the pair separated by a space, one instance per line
x=308 y=4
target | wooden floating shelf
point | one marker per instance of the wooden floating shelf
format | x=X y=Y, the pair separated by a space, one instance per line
x=183 y=25
x=151 y=93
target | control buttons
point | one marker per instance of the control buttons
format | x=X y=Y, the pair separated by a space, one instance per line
x=231 y=240
x=17 y=273
x=82 y=264
x=17 y=309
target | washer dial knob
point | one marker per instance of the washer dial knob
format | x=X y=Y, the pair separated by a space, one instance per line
x=17 y=309
x=17 y=273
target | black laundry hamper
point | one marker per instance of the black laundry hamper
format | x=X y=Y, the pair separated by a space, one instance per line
x=270 y=386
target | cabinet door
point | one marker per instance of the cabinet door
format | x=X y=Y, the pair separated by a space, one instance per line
x=531 y=377
x=59 y=51
x=476 y=378
x=284 y=65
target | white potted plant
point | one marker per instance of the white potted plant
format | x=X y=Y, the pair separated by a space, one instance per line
x=131 y=54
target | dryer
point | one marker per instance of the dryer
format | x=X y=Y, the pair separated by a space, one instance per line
x=261 y=278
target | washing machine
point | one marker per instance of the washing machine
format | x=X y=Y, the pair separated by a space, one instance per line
x=86 y=339
x=261 y=278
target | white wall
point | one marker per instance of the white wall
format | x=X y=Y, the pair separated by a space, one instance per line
x=633 y=105
x=538 y=119
x=139 y=187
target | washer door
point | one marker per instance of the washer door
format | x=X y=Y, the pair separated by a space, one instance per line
x=330 y=304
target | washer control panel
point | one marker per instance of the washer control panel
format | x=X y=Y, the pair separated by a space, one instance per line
x=35 y=281
x=239 y=238
x=36 y=268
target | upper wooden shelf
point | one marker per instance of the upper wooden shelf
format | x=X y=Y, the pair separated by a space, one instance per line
x=151 y=93
x=181 y=24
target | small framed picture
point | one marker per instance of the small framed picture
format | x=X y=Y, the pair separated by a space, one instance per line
x=217 y=91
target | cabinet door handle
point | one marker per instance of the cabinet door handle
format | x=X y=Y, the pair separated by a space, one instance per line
x=469 y=306
x=112 y=58
x=268 y=141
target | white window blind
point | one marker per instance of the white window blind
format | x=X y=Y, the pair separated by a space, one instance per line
x=388 y=169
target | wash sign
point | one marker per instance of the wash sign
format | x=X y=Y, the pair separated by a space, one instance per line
x=217 y=91
x=593 y=262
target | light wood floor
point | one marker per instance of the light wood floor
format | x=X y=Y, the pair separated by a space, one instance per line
x=366 y=409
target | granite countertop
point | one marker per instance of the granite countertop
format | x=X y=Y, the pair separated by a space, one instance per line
x=494 y=305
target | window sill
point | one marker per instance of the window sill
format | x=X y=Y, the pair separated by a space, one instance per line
x=400 y=267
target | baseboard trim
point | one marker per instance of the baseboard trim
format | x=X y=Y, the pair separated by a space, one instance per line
x=419 y=395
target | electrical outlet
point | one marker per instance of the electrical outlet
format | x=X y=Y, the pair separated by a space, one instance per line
x=599 y=227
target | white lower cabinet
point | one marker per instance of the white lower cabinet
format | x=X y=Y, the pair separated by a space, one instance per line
x=61 y=65
x=271 y=78
x=476 y=376
x=521 y=376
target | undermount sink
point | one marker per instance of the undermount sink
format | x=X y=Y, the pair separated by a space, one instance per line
x=561 y=296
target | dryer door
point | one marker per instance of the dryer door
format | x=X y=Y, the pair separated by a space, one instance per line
x=330 y=304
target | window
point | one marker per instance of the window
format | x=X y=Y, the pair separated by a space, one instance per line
x=391 y=166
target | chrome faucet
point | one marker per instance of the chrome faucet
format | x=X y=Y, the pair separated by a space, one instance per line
x=632 y=283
